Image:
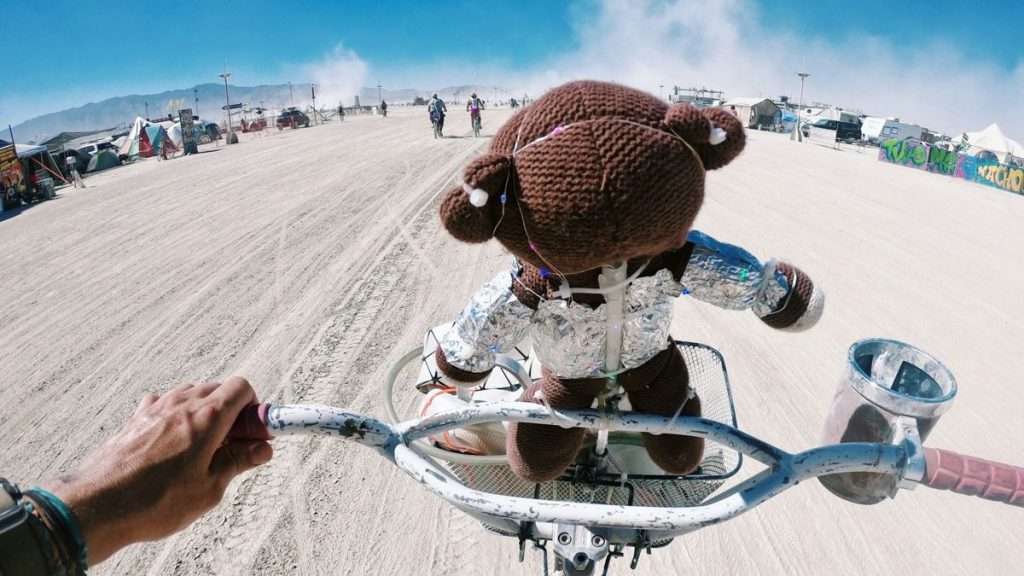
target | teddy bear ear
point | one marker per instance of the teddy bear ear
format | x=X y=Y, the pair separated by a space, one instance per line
x=470 y=211
x=715 y=134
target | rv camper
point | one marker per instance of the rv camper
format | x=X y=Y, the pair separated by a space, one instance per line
x=876 y=129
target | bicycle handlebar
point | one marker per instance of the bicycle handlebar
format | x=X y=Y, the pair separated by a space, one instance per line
x=971 y=476
x=944 y=470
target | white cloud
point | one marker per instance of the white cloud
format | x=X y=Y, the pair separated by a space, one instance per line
x=723 y=45
x=339 y=76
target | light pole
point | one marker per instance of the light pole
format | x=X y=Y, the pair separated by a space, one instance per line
x=379 y=99
x=312 y=91
x=797 y=134
x=147 y=109
x=290 y=95
x=661 y=91
x=195 y=91
x=227 y=103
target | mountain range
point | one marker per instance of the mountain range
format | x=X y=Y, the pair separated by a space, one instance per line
x=209 y=100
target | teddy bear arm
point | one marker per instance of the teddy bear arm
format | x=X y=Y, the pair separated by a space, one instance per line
x=493 y=322
x=729 y=277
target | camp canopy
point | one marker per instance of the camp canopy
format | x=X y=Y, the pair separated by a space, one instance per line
x=66 y=140
x=36 y=158
x=993 y=140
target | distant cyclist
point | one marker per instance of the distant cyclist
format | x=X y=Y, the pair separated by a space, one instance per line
x=437 y=110
x=474 y=105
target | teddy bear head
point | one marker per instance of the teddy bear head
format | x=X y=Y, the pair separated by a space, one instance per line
x=592 y=174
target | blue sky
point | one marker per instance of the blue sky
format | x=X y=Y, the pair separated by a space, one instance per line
x=951 y=65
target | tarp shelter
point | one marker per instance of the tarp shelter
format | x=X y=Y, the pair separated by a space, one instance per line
x=102 y=160
x=993 y=140
x=35 y=158
x=146 y=139
x=66 y=140
x=754 y=112
x=788 y=120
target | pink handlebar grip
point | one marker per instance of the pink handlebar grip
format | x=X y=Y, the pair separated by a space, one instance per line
x=251 y=424
x=946 y=470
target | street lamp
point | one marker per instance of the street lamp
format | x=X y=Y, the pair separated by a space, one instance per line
x=312 y=91
x=227 y=102
x=290 y=95
x=379 y=99
x=196 y=92
x=661 y=91
x=797 y=134
x=147 y=110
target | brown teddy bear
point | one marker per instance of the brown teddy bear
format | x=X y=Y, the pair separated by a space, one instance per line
x=593 y=190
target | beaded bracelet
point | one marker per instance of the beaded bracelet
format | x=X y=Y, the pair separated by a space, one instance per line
x=64 y=527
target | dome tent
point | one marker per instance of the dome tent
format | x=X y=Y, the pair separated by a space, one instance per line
x=102 y=160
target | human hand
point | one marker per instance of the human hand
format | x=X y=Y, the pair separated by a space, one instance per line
x=168 y=466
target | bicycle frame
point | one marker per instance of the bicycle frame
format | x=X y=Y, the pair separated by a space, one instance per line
x=583 y=533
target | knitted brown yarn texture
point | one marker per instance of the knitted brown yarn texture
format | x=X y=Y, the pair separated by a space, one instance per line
x=596 y=173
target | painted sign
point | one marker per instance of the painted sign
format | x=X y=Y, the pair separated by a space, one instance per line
x=10 y=170
x=912 y=153
x=822 y=136
x=188 y=132
x=923 y=156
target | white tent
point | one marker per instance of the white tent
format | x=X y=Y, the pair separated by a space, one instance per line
x=993 y=140
x=130 y=145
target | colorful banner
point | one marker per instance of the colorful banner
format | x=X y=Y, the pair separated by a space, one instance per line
x=10 y=169
x=923 y=156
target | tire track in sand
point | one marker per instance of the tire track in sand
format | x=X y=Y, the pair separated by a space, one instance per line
x=333 y=351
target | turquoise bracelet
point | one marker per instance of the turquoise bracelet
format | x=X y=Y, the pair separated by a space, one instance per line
x=59 y=512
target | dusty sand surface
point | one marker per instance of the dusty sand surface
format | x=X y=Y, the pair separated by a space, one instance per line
x=310 y=260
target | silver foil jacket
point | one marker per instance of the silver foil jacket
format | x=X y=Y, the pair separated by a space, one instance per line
x=569 y=338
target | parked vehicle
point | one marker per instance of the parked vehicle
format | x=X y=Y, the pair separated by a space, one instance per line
x=292 y=118
x=876 y=130
x=91 y=149
x=845 y=131
x=81 y=161
x=39 y=187
x=206 y=132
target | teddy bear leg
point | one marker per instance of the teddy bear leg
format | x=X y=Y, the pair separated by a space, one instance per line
x=541 y=452
x=665 y=391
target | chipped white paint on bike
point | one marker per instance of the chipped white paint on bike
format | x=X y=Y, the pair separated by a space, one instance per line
x=783 y=471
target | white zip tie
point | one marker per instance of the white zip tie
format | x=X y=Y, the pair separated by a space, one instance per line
x=560 y=419
x=690 y=395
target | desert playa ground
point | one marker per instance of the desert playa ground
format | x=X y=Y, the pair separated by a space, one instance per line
x=311 y=260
